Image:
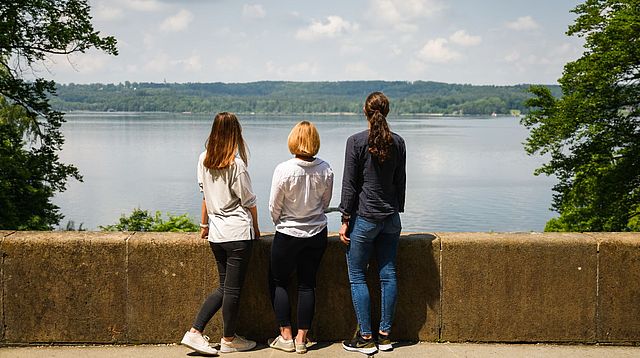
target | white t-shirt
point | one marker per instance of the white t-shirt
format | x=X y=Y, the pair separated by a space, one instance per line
x=300 y=193
x=227 y=193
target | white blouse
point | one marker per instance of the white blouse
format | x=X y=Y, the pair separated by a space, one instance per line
x=300 y=193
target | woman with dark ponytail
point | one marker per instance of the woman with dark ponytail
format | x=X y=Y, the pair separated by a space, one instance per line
x=373 y=194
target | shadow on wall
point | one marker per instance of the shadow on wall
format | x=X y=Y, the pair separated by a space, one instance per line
x=418 y=307
x=418 y=304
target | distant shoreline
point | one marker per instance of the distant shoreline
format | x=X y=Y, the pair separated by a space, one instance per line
x=276 y=114
x=430 y=99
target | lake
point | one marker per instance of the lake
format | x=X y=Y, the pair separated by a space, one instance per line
x=463 y=174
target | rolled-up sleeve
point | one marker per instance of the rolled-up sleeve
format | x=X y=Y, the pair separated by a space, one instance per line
x=328 y=192
x=349 y=193
x=276 y=197
x=242 y=188
x=201 y=174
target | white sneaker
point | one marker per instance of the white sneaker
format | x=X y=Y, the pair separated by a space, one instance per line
x=282 y=344
x=239 y=344
x=198 y=343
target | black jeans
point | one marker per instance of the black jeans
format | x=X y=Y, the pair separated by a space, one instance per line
x=232 y=259
x=303 y=255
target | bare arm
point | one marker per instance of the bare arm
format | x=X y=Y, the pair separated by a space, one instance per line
x=204 y=222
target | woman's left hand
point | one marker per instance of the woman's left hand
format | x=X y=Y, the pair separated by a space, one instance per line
x=204 y=232
x=343 y=233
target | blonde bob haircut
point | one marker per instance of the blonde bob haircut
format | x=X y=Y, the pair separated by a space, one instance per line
x=304 y=139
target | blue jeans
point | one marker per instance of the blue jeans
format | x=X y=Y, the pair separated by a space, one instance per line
x=366 y=236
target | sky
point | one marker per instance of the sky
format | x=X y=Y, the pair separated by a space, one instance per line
x=458 y=41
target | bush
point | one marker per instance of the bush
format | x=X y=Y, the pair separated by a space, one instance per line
x=141 y=220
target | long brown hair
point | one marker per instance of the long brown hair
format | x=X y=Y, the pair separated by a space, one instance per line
x=225 y=140
x=376 y=108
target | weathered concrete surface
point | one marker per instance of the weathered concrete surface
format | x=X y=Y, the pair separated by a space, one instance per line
x=64 y=287
x=3 y=234
x=334 y=318
x=256 y=318
x=402 y=350
x=147 y=287
x=418 y=270
x=418 y=301
x=166 y=285
x=505 y=287
x=333 y=297
x=619 y=287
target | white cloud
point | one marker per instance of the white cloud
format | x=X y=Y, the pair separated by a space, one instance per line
x=107 y=13
x=538 y=60
x=227 y=63
x=149 y=41
x=523 y=23
x=299 y=70
x=132 y=69
x=160 y=63
x=512 y=56
x=253 y=11
x=360 y=70
x=436 y=51
x=416 y=67
x=400 y=13
x=177 y=22
x=333 y=27
x=144 y=5
x=191 y=64
x=83 y=63
x=350 y=48
x=462 y=38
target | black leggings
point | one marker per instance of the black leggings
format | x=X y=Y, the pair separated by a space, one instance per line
x=232 y=259
x=303 y=255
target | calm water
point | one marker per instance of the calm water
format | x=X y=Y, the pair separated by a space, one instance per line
x=467 y=174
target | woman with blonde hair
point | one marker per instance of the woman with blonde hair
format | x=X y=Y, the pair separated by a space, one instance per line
x=373 y=195
x=300 y=193
x=230 y=223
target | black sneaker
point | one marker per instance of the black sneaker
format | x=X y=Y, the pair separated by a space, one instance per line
x=359 y=344
x=384 y=343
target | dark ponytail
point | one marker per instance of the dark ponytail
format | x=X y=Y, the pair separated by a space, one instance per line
x=376 y=108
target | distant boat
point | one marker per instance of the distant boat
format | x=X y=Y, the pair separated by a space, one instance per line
x=186 y=112
x=494 y=114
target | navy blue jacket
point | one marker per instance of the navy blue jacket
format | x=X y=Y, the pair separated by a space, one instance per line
x=371 y=189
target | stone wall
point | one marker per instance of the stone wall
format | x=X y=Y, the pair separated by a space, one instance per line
x=96 y=287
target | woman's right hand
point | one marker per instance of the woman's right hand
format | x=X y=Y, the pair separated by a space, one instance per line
x=256 y=232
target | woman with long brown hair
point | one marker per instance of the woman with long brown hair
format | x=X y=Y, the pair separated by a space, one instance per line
x=373 y=195
x=230 y=223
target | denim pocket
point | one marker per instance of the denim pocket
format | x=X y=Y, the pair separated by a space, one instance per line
x=364 y=228
x=393 y=224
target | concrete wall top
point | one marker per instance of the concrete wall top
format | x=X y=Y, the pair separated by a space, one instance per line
x=125 y=287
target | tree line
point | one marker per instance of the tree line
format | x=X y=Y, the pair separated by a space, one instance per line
x=293 y=97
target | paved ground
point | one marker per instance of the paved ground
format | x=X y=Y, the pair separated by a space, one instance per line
x=404 y=350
